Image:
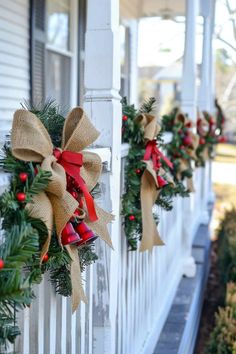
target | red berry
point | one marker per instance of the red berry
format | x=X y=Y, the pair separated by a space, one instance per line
x=23 y=176
x=211 y=121
x=202 y=141
x=138 y=171
x=1 y=263
x=45 y=258
x=222 y=139
x=124 y=118
x=21 y=196
x=187 y=140
x=131 y=217
x=188 y=125
x=158 y=165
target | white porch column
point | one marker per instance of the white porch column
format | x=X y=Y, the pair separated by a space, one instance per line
x=188 y=96
x=205 y=87
x=189 y=106
x=207 y=91
x=134 y=62
x=102 y=103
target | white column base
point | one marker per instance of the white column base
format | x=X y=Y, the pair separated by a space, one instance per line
x=211 y=197
x=189 y=267
x=205 y=218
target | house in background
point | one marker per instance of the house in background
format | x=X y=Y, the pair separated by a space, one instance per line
x=69 y=50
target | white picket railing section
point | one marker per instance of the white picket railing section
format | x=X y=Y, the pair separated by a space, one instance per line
x=147 y=285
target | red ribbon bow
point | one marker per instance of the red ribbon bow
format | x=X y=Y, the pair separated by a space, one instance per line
x=72 y=162
x=152 y=152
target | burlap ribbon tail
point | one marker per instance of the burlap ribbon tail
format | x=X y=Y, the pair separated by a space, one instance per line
x=150 y=188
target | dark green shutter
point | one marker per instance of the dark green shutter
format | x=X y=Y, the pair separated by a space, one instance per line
x=37 y=50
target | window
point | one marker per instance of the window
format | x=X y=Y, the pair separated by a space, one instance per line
x=57 y=44
x=59 y=51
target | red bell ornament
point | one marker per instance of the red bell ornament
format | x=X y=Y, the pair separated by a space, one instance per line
x=161 y=182
x=69 y=235
x=85 y=233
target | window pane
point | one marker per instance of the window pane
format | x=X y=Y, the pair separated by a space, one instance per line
x=58 y=23
x=58 y=78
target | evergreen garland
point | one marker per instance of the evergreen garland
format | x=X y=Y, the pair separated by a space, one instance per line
x=23 y=236
x=207 y=140
x=131 y=204
x=177 y=150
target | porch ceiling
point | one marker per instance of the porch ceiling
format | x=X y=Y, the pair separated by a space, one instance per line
x=147 y=8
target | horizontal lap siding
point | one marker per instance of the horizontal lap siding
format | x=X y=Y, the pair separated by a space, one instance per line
x=14 y=64
x=14 y=60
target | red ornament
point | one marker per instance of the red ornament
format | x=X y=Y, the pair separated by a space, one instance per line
x=202 y=141
x=21 y=196
x=45 y=258
x=85 y=233
x=1 y=263
x=187 y=140
x=182 y=147
x=138 y=171
x=131 y=217
x=36 y=171
x=124 y=118
x=68 y=235
x=23 y=176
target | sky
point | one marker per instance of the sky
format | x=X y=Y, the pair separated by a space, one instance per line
x=161 y=42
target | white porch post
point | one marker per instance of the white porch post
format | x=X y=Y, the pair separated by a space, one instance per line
x=206 y=92
x=102 y=103
x=189 y=106
x=134 y=62
x=205 y=95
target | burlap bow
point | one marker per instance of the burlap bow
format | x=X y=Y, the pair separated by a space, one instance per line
x=191 y=151
x=203 y=128
x=31 y=142
x=150 y=185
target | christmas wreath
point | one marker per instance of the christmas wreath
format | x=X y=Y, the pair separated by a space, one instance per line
x=50 y=219
x=182 y=149
x=148 y=176
x=206 y=129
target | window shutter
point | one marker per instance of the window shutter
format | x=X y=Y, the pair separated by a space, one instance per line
x=37 y=57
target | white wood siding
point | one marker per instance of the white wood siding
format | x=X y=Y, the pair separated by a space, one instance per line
x=14 y=59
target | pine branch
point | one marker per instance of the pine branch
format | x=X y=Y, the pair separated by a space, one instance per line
x=148 y=105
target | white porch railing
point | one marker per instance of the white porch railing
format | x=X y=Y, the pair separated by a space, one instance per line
x=147 y=283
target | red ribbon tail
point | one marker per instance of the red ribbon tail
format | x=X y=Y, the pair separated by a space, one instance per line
x=167 y=161
x=89 y=201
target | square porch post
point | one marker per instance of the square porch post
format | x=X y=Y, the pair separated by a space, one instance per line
x=102 y=104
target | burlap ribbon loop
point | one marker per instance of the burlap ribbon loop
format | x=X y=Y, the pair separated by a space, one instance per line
x=31 y=142
x=150 y=188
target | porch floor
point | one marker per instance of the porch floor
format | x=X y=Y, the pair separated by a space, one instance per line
x=180 y=330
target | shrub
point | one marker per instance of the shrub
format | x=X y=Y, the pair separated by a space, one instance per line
x=223 y=337
x=227 y=246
